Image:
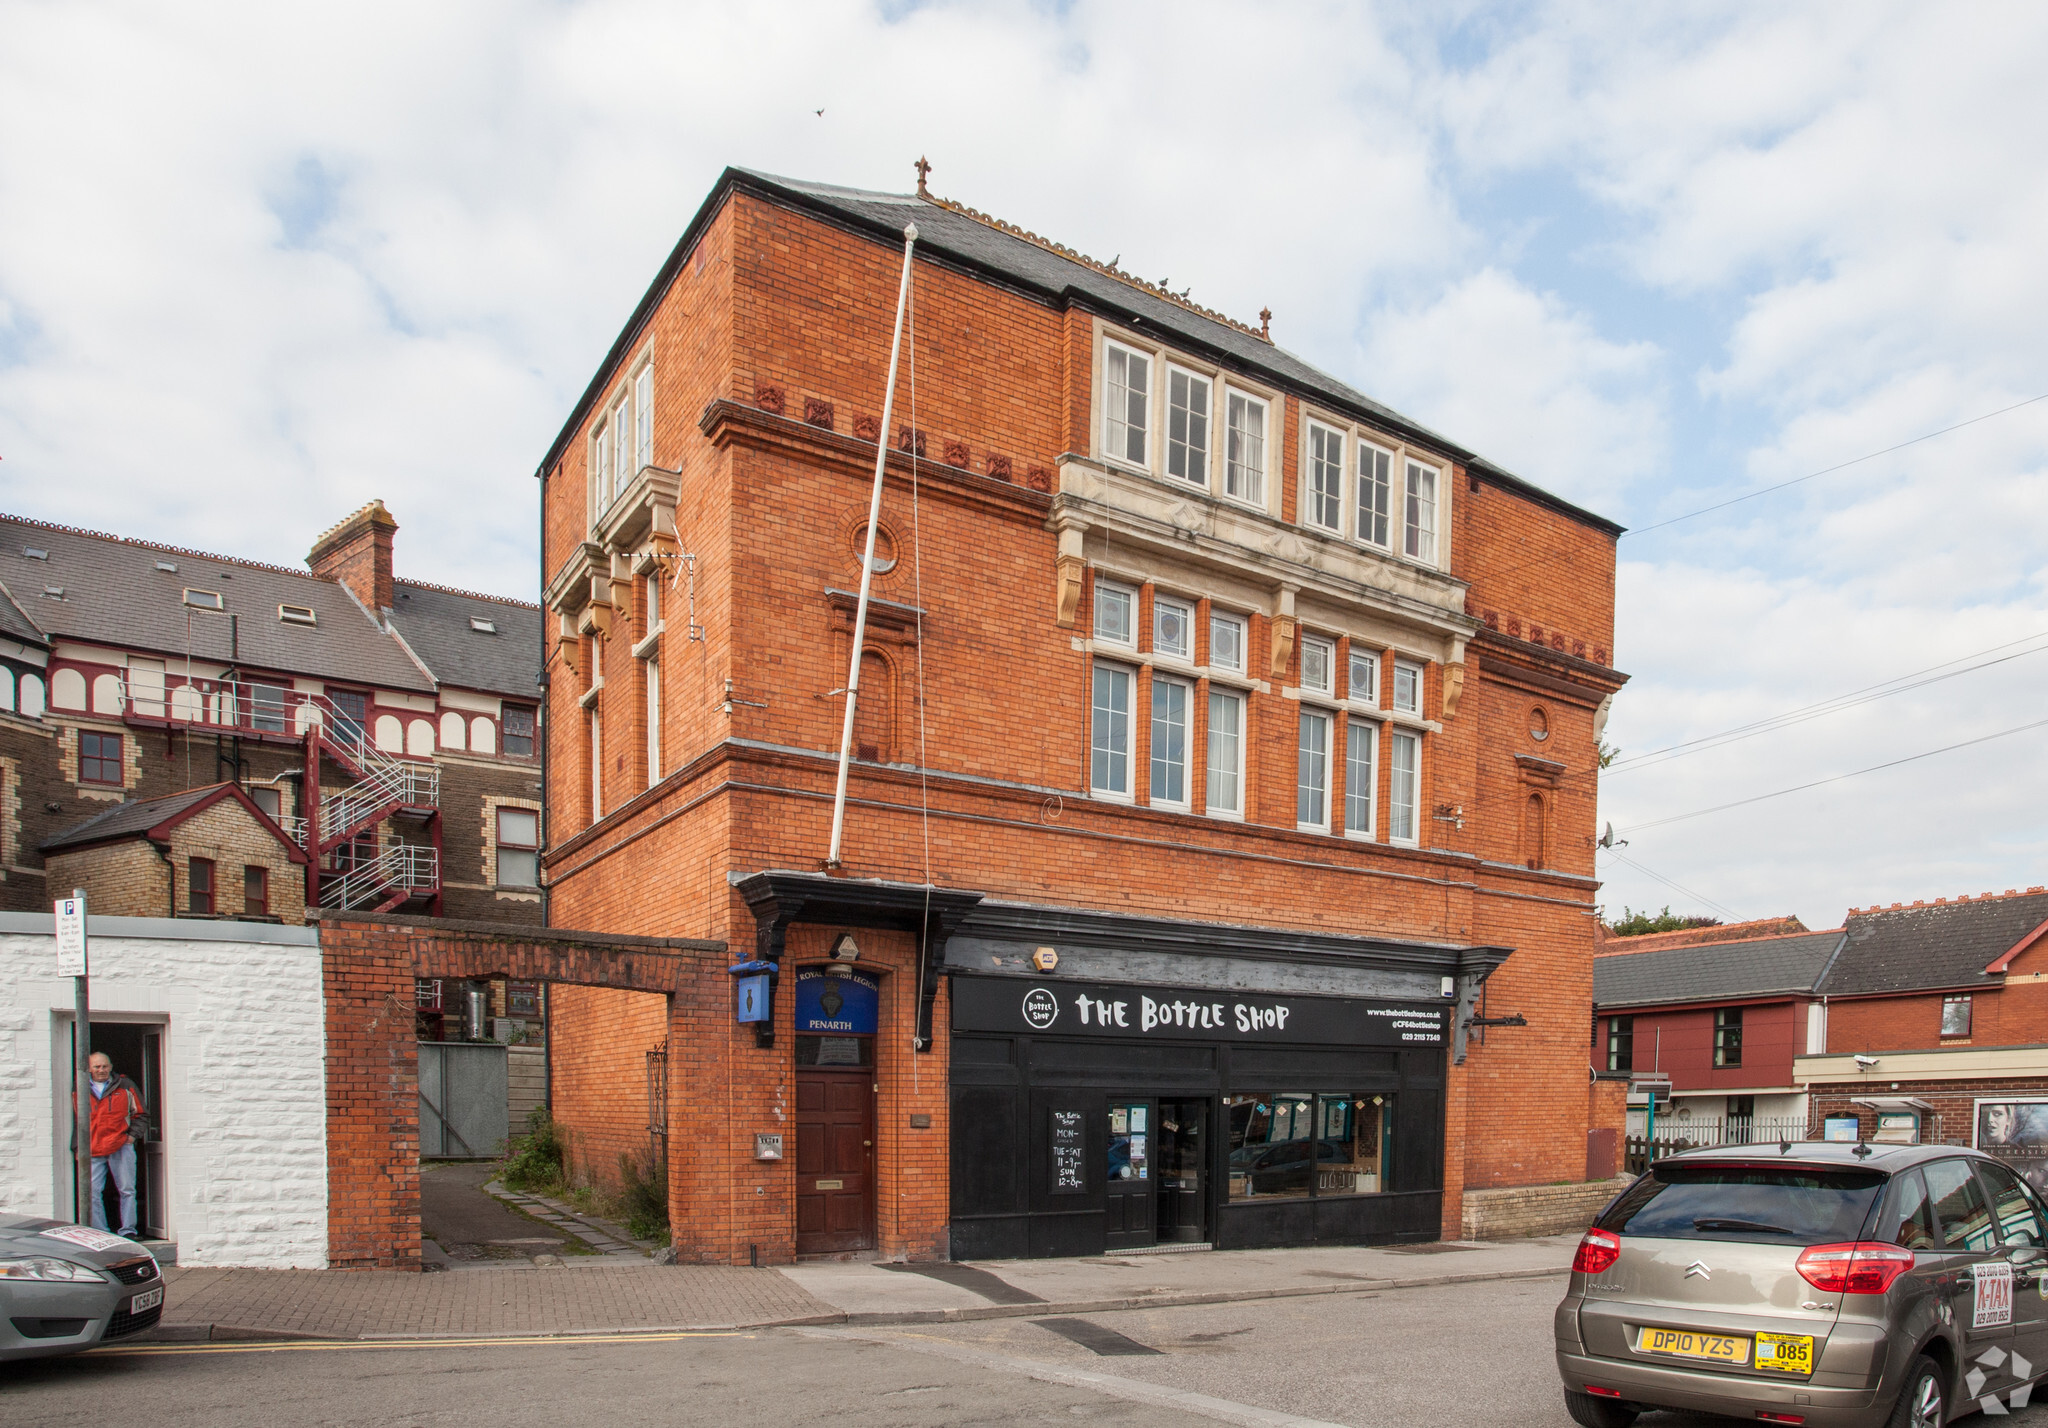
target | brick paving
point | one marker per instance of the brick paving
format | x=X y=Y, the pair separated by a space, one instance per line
x=595 y=1295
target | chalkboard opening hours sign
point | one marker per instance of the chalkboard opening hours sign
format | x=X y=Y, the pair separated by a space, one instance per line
x=1069 y=1143
x=1098 y=1009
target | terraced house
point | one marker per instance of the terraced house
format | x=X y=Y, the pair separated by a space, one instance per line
x=1218 y=850
x=379 y=734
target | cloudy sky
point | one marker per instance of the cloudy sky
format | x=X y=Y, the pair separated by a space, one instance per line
x=260 y=263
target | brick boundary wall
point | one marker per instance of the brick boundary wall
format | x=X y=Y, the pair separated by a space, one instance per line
x=367 y=969
x=1525 y=1211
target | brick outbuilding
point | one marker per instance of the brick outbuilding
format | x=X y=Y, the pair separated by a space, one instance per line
x=1218 y=854
x=207 y=852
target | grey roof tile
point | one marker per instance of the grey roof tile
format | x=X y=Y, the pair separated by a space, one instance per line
x=1713 y=971
x=114 y=592
x=1937 y=945
x=130 y=819
x=14 y=620
x=437 y=624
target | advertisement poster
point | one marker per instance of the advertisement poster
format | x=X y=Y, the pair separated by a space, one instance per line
x=2016 y=1132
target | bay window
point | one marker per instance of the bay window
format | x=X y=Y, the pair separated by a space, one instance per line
x=1374 y=494
x=1187 y=426
x=1128 y=403
x=1419 y=541
x=1244 y=470
x=1325 y=504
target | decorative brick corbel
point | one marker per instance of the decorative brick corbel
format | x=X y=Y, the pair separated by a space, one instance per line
x=1454 y=689
x=1068 y=577
x=622 y=586
x=1283 y=631
x=568 y=644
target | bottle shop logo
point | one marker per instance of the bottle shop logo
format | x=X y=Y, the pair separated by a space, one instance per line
x=1041 y=1008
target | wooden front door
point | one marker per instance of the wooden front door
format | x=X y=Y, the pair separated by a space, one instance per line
x=835 y=1161
x=1130 y=1196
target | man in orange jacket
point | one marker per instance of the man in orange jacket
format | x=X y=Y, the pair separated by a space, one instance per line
x=115 y=1102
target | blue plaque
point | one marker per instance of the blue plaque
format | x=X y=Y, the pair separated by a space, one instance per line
x=836 y=1001
x=750 y=998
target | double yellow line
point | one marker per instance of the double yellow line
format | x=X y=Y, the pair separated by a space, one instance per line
x=158 y=1351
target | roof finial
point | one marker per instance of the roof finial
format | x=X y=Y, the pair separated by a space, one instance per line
x=1266 y=323
x=923 y=167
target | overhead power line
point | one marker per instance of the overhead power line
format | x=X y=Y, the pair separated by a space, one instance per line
x=1837 y=778
x=1676 y=887
x=1870 y=693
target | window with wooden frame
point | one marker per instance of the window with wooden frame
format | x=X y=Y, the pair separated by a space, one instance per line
x=518 y=729
x=1318 y=665
x=1225 y=795
x=255 y=891
x=1172 y=699
x=1244 y=466
x=643 y=417
x=653 y=668
x=1375 y=495
x=1621 y=1043
x=1955 y=1016
x=1361 y=776
x=1728 y=1036
x=1173 y=627
x=1227 y=642
x=1187 y=427
x=99 y=759
x=1365 y=677
x=1109 y=739
x=1312 y=793
x=1116 y=614
x=1126 y=406
x=199 y=886
x=518 y=848
x=600 y=470
x=1407 y=687
x=1404 y=755
x=1419 y=518
x=1324 y=506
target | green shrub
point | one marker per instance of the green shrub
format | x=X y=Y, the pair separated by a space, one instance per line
x=646 y=1198
x=540 y=1158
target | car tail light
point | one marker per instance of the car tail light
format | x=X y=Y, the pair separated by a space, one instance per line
x=1598 y=1392
x=1597 y=1251
x=1860 y=1267
x=1779 y=1417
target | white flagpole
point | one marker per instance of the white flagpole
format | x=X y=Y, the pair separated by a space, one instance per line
x=867 y=563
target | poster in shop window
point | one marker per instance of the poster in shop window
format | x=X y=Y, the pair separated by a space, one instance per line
x=2016 y=1131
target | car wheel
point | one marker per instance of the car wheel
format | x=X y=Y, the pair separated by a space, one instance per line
x=1593 y=1412
x=1921 y=1402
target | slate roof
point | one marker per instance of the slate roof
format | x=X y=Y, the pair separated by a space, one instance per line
x=1034 y=267
x=436 y=624
x=132 y=819
x=1714 y=971
x=1947 y=944
x=14 y=620
x=114 y=594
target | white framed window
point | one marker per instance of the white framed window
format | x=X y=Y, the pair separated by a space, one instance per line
x=1109 y=741
x=1173 y=627
x=1407 y=687
x=596 y=767
x=1365 y=676
x=518 y=848
x=1187 y=426
x=1226 y=642
x=1375 y=495
x=1127 y=403
x=653 y=722
x=1312 y=798
x=1116 y=614
x=1171 y=700
x=601 y=471
x=622 y=446
x=643 y=417
x=1419 y=524
x=1405 y=759
x=1244 y=467
x=1226 y=753
x=1361 y=776
x=1324 y=506
x=1318 y=664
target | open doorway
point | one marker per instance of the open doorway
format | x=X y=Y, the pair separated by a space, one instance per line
x=136 y=1049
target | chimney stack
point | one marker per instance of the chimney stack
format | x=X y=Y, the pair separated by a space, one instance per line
x=357 y=552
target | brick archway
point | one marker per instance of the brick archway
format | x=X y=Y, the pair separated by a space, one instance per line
x=367 y=969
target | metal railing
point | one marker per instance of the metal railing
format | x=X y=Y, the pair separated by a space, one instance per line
x=1694 y=1132
x=403 y=868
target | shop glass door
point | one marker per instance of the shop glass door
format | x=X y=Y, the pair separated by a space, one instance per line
x=1131 y=1211
x=1182 y=1154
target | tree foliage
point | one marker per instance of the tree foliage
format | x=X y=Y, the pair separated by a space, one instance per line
x=1637 y=924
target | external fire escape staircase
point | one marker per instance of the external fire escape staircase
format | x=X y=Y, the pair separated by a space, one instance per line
x=385 y=786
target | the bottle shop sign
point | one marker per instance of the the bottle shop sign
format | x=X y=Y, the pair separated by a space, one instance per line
x=1095 y=1009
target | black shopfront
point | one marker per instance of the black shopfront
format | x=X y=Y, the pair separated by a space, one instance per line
x=1094 y=1116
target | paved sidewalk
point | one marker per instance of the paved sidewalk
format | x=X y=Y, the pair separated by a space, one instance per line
x=605 y=1294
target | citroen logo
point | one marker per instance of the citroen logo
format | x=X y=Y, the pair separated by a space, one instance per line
x=1698 y=1270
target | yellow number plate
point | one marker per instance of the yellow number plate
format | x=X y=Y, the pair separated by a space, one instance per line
x=1787 y=1353
x=1685 y=1344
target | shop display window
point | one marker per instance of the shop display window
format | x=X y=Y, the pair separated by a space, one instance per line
x=1130 y=1142
x=1289 y=1145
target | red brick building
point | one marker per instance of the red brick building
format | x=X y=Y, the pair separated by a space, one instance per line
x=1226 y=746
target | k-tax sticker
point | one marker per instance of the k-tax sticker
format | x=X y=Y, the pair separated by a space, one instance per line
x=1994 y=1294
x=86 y=1238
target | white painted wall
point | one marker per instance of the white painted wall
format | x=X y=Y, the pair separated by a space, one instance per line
x=245 y=1127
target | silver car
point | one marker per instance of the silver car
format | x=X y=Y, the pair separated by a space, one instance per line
x=1812 y=1283
x=65 y=1287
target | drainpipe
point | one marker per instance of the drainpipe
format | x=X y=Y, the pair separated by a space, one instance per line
x=544 y=730
x=163 y=850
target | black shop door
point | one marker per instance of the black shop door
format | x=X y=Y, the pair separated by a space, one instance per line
x=1131 y=1201
x=1181 y=1154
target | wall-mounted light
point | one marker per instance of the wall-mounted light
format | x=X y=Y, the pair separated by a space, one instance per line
x=845 y=949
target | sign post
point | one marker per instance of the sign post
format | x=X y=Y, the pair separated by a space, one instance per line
x=71 y=962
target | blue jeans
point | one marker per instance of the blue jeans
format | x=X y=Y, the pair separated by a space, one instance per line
x=122 y=1164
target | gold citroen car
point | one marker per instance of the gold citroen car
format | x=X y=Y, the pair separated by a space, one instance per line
x=1805 y=1282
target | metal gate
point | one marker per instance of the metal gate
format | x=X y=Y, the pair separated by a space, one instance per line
x=462 y=1099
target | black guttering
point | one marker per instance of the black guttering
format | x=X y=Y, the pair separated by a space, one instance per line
x=932 y=249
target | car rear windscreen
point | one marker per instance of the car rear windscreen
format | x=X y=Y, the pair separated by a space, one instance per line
x=1790 y=1205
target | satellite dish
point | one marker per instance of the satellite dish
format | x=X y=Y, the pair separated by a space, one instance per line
x=1609 y=841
